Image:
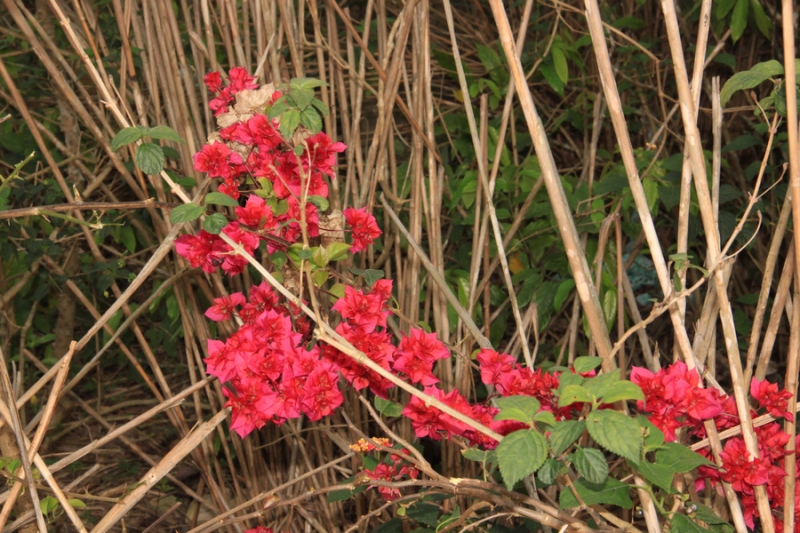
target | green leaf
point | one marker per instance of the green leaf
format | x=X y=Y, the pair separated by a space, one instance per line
x=278 y=108
x=658 y=474
x=568 y=378
x=612 y=492
x=388 y=408
x=560 y=63
x=549 y=471
x=164 y=133
x=424 y=513
x=186 y=213
x=150 y=158
x=622 y=390
x=48 y=504
x=585 y=363
x=369 y=275
x=320 y=257
x=309 y=117
x=707 y=515
x=680 y=458
x=395 y=525
x=562 y=293
x=739 y=19
x=545 y=417
x=564 y=434
x=127 y=136
x=214 y=223
x=289 y=122
x=519 y=408
x=549 y=72
x=520 y=454
x=337 y=290
x=306 y=83
x=128 y=238
x=750 y=78
x=303 y=97
x=682 y=524
x=591 y=464
x=599 y=385
x=337 y=250
x=574 y=394
x=481 y=456
x=319 y=277
x=320 y=201
x=321 y=107
x=762 y=20
x=616 y=433
x=653 y=437
x=651 y=193
x=218 y=198
x=75 y=503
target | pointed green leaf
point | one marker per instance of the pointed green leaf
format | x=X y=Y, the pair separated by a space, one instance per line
x=591 y=464
x=126 y=136
x=164 y=133
x=150 y=158
x=616 y=433
x=186 y=213
x=218 y=198
x=337 y=250
x=520 y=454
x=289 y=122
x=388 y=408
x=549 y=471
x=739 y=19
x=653 y=437
x=599 y=385
x=214 y=223
x=585 y=363
x=658 y=474
x=748 y=79
x=682 y=524
x=622 y=390
x=612 y=492
x=680 y=458
x=574 y=394
x=309 y=117
x=303 y=97
x=321 y=107
x=545 y=417
x=519 y=408
x=564 y=434
x=560 y=63
x=562 y=293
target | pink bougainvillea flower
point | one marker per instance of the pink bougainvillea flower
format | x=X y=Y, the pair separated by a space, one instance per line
x=365 y=228
x=224 y=307
x=768 y=397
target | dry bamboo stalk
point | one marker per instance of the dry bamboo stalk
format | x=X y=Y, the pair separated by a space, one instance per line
x=634 y=181
x=13 y=424
x=788 y=29
x=484 y=180
x=561 y=210
x=181 y=450
x=38 y=438
x=713 y=251
x=766 y=285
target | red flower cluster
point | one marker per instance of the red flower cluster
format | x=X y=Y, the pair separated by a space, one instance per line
x=365 y=228
x=273 y=377
x=238 y=80
x=393 y=469
x=674 y=399
x=254 y=148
